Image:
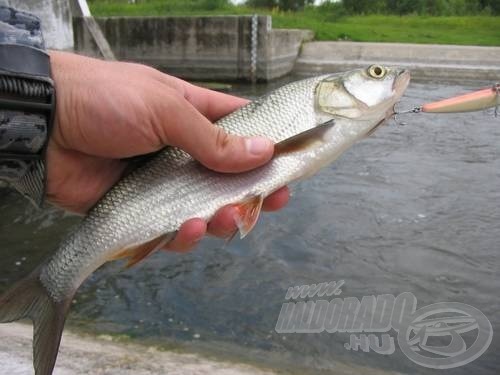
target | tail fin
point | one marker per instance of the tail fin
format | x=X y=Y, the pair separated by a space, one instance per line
x=29 y=299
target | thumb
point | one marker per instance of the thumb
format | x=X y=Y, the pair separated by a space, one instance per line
x=211 y=145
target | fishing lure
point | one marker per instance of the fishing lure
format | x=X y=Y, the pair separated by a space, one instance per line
x=474 y=101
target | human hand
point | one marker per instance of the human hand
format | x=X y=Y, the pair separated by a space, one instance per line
x=108 y=111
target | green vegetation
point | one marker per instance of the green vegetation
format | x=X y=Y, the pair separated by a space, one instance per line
x=336 y=21
x=423 y=7
x=475 y=30
x=400 y=7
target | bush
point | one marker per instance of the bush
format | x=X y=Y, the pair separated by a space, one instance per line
x=214 y=4
x=288 y=5
x=423 y=7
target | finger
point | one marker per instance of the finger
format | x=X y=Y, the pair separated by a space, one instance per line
x=212 y=104
x=180 y=124
x=189 y=234
x=222 y=224
x=277 y=200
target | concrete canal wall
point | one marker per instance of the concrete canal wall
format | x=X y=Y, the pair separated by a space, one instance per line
x=242 y=47
x=205 y=48
x=232 y=47
x=425 y=61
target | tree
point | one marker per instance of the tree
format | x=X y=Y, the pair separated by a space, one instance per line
x=430 y=7
x=214 y=4
x=493 y=5
x=404 y=6
x=294 y=5
x=262 y=3
x=365 y=6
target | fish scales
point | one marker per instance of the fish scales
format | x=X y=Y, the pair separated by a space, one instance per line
x=312 y=121
x=174 y=185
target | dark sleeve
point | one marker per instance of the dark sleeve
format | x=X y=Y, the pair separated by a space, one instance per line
x=23 y=133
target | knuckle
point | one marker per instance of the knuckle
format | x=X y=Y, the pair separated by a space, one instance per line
x=220 y=156
x=222 y=140
x=141 y=68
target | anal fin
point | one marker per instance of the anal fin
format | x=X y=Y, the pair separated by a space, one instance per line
x=247 y=214
x=137 y=253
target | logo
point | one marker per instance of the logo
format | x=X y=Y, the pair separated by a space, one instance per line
x=441 y=336
x=445 y=319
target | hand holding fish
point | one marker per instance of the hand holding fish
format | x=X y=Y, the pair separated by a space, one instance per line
x=108 y=111
x=312 y=121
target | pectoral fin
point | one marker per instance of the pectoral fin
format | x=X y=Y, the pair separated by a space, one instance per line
x=247 y=214
x=137 y=253
x=302 y=141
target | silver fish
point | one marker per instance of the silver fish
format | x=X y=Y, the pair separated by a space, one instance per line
x=312 y=122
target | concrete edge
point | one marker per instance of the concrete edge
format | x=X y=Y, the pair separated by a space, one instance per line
x=451 y=73
x=82 y=355
x=424 y=61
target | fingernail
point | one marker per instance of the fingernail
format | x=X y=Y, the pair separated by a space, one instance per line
x=257 y=145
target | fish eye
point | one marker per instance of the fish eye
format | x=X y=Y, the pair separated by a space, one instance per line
x=377 y=71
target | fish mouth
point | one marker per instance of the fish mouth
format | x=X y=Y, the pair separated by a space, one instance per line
x=399 y=87
x=401 y=83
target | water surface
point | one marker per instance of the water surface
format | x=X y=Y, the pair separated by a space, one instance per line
x=413 y=208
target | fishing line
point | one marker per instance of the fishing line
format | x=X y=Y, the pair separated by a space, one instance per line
x=496 y=89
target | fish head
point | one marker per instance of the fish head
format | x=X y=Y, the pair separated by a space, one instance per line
x=366 y=96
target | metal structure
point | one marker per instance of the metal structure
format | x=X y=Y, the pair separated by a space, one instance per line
x=254 y=37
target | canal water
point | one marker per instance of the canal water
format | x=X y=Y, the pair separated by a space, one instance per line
x=413 y=208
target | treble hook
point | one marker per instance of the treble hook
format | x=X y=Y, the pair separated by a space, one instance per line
x=413 y=110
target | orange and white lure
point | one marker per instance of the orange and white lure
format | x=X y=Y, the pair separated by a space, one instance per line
x=474 y=101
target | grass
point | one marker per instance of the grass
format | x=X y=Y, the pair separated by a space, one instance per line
x=466 y=30
x=475 y=30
